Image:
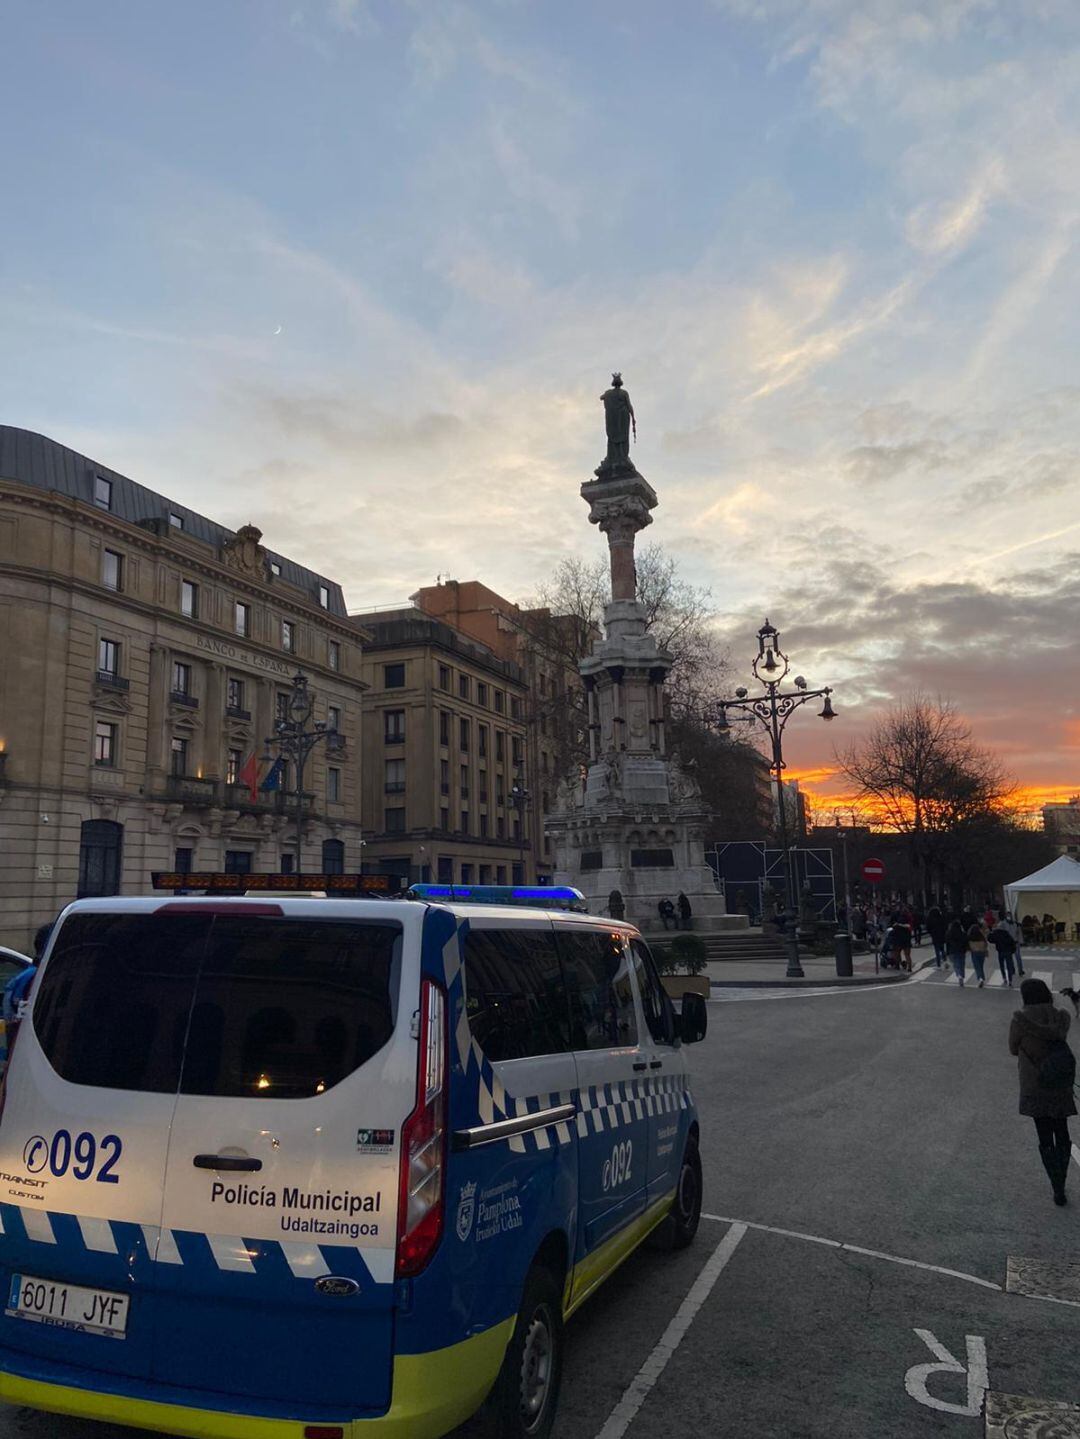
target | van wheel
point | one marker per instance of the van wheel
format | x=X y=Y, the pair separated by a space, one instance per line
x=678 y=1229
x=522 y=1404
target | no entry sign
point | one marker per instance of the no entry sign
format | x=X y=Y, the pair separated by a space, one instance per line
x=873 y=871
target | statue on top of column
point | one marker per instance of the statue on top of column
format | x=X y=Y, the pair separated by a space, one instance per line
x=618 y=419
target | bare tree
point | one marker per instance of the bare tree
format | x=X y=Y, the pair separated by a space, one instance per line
x=922 y=775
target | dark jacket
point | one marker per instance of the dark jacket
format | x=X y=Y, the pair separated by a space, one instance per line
x=936 y=924
x=1031 y=1033
x=956 y=940
x=1002 y=940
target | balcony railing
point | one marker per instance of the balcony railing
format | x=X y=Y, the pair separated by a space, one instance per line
x=186 y=789
x=235 y=712
x=112 y=680
x=179 y=697
x=394 y=786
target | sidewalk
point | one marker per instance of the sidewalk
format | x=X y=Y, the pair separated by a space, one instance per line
x=819 y=970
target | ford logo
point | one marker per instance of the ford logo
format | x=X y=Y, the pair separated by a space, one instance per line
x=337 y=1285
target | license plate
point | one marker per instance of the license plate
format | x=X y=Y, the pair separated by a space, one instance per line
x=68 y=1306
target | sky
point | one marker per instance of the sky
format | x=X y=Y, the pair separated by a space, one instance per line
x=357 y=271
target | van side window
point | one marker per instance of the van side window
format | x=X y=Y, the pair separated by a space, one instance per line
x=515 y=997
x=659 y=1014
x=601 y=994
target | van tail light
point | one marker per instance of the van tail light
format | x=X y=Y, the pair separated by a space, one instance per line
x=422 y=1179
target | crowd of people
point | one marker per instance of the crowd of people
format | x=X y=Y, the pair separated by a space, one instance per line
x=957 y=936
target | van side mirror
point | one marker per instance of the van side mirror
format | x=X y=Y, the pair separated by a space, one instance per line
x=694 y=1020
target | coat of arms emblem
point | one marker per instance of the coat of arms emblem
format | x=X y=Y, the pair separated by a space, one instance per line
x=465 y=1211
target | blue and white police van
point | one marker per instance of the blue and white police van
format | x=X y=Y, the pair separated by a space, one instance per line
x=306 y=1169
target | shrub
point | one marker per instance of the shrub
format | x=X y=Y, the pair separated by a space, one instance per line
x=665 y=963
x=689 y=953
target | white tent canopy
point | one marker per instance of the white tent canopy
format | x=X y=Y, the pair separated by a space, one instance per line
x=1054 y=889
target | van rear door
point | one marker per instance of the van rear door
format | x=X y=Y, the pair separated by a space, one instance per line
x=88 y=1104
x=281 y=1183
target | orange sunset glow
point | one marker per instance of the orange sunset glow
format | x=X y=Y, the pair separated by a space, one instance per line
x=828 y=790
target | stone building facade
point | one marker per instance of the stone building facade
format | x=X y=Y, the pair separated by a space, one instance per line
x=552 y=684
x=444 y=740
x=144 y=654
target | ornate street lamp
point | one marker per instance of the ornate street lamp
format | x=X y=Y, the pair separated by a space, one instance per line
x=772 y=710
x=296 y=737
x=521 y=798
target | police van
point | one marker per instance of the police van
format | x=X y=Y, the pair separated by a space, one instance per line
x=308 y=1169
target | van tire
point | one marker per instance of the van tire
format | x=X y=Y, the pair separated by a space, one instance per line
x=534 y=1354
x=677 y=1230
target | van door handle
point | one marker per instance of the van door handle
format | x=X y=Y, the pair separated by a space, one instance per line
x=656 y=1064
x=641 y=1065
x=231 y=1163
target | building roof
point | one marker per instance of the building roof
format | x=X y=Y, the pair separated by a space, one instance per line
x=32 y=459
x=409 y=626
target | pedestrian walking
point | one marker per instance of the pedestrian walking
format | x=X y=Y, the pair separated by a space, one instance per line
x=1005 y=945
x=685 y=911
x=1009 y=922
x=936 y=925
x=978 y=949
x=1047 y=1071
x=666 y=911
x=956 y=947
x=901 y=934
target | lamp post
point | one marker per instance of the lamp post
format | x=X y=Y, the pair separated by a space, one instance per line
x=520 y=798
x=296 y=737
x=842 y=835
x=772 y=709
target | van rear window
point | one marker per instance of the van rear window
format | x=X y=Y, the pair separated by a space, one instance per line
x=228 y=1005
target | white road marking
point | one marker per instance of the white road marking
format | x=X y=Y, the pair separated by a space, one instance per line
x=726 y=994
x=637 y=1391
x=978 y=1379
x=857 y=1249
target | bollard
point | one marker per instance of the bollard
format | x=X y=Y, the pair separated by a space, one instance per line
x=843 y=953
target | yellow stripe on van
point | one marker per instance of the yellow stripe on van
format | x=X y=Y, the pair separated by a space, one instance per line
x=589 y=1273
x=433 y=1393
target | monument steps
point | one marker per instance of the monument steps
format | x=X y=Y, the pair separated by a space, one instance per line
x=746 y=945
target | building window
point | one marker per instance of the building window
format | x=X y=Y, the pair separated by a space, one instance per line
x=444 y=869
x=394 y=820
x=464 y=778
x=394 y=726
x=463 y=736
x=176 y=521
x=394 y=677
x=500 y=793
x=518 y=873
x=101 y=843
x=444 y=677
x=483 y=787
x=463 y=686
x=444 y=727
x=287 y=864
x=444 y=776
x=233 y=766
x=500 y=874
x=500 y=745
x=483 y=827
x=500 y=827
x=444 y=820
x=243 y=619
x=288 y=636
x=238 y=861
x=181 y=679
x=102 y=492
x=394 y=781
x=515 y=707
x=183 y=859
x=234 y=693
x=333 y=856
x=333 y=718
x=482 y=741
x=105 y=749
x=485 y=874
x=333 y=655
x=112 y=570
x=324 y=597
x=281 y=707
x=333 y=786
x=499 y=702
x=108 y=661
x=464 y=821
x=275 y=569
x=481 y=693
x=178 y=755
x=516 y=750
x=466 y=873
x=189 y=599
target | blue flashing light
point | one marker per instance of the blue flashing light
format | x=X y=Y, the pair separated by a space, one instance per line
x=548 y=892
x=542 y=896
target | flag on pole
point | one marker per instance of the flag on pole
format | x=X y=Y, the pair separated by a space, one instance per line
x=249 y=775
x=273 y=776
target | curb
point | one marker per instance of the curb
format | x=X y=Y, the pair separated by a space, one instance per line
x=837 y=982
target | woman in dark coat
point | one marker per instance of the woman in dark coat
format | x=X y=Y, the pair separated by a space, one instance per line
x=956 y=947
x=1034 y=1031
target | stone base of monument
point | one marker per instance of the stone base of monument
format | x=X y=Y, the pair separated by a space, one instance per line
x=643 y=889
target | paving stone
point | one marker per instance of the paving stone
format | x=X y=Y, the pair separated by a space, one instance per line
x=1044 y=1279
x=1016 y=1416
